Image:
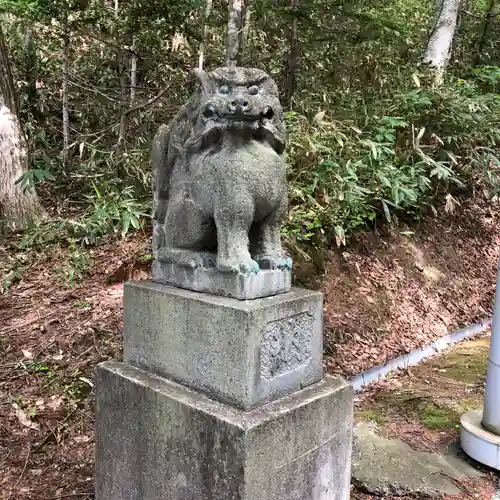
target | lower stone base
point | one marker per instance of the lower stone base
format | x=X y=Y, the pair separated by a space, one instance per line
x=157 y=440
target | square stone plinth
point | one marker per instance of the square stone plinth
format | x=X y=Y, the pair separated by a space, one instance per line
x=215 y=282
x=156 y=440
x=243 y=352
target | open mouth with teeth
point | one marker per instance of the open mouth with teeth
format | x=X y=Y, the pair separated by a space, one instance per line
x=258 y=126
x=239 y=116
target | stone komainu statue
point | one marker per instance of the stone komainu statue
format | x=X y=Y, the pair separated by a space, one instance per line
x=219 y=176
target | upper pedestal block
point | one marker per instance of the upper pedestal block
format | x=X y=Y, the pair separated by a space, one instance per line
x=243 y=352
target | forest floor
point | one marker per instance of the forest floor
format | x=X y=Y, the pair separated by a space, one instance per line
x=423 y=406
x=61 y=313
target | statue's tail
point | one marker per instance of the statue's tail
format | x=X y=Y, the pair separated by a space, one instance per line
x=161 y=183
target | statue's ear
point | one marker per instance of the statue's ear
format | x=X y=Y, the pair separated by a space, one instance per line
x=203 y=80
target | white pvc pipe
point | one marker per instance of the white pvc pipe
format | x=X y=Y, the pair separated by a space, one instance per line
x=491 y=414
x=416 y=356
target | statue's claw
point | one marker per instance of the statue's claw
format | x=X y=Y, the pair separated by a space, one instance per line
x=236 y=266
x=270 y=262
x=187 y=258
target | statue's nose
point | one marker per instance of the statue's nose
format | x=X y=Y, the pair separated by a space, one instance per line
x=239 y=105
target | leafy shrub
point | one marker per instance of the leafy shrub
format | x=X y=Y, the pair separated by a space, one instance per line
x=409 y=153
x=109 y=211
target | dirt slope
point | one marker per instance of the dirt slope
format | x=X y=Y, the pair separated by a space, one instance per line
x=392 y=293
x=385 y=295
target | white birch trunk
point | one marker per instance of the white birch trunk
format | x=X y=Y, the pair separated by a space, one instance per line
x=234 y=26
x=133 y=72
x=438 y=51
x=201 y=58
x=18 y=208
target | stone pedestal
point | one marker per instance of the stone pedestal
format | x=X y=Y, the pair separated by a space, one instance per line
x=157 y=440
x=243 y=352
x=238 y=286
x=221 y=399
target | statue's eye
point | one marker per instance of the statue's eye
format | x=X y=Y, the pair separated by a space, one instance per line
x=224 y=89
x=253 y=90
x=209 y=111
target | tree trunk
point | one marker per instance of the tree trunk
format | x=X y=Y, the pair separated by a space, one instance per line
x=493 y=11
x=245 y=21
x=438 y=51
x=235 y=23
x=121 y=64
x=293 y=55
x=246 y=25
x=133 y=72
x=208 y=11
x=65 y=96
x=18 y=208
x=7 y=93
x=123 y=100
x=31 y=67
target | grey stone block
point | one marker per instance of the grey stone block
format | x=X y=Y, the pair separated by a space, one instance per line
x=215 y=282
x=241 y=352
x=157 y=440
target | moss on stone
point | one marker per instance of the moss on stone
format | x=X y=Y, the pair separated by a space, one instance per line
x=437 y=392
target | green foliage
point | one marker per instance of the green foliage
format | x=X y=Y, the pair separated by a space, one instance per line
x=9 y=279
x=107 y=212
x=112 y=211
x=32 y=177
x=76 y=265
x=73 y=385
x=346 y=175
x=369 y=142
x=488 y=77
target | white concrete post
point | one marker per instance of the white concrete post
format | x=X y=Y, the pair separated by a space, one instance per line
x=480 y=429
x=491 y=414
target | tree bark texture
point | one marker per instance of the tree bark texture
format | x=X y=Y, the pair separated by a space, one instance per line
x=208 y=11
x=7 y=94
x=17 y=207
x=235 y=24
x=243 y=33
x=438 y=51
x=65 y=96
x=493 y=11
x=293 y=55
x=133 y=72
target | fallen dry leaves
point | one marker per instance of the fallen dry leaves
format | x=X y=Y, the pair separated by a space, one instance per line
x=52 y=335
x=392 y=293
x=384 y=296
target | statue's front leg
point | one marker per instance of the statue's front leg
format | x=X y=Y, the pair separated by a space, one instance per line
x=233 y=221
x=265 y=243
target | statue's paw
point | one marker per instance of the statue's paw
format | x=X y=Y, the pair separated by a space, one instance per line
x=203 y=260
x=283 y=263
x=239 y=266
